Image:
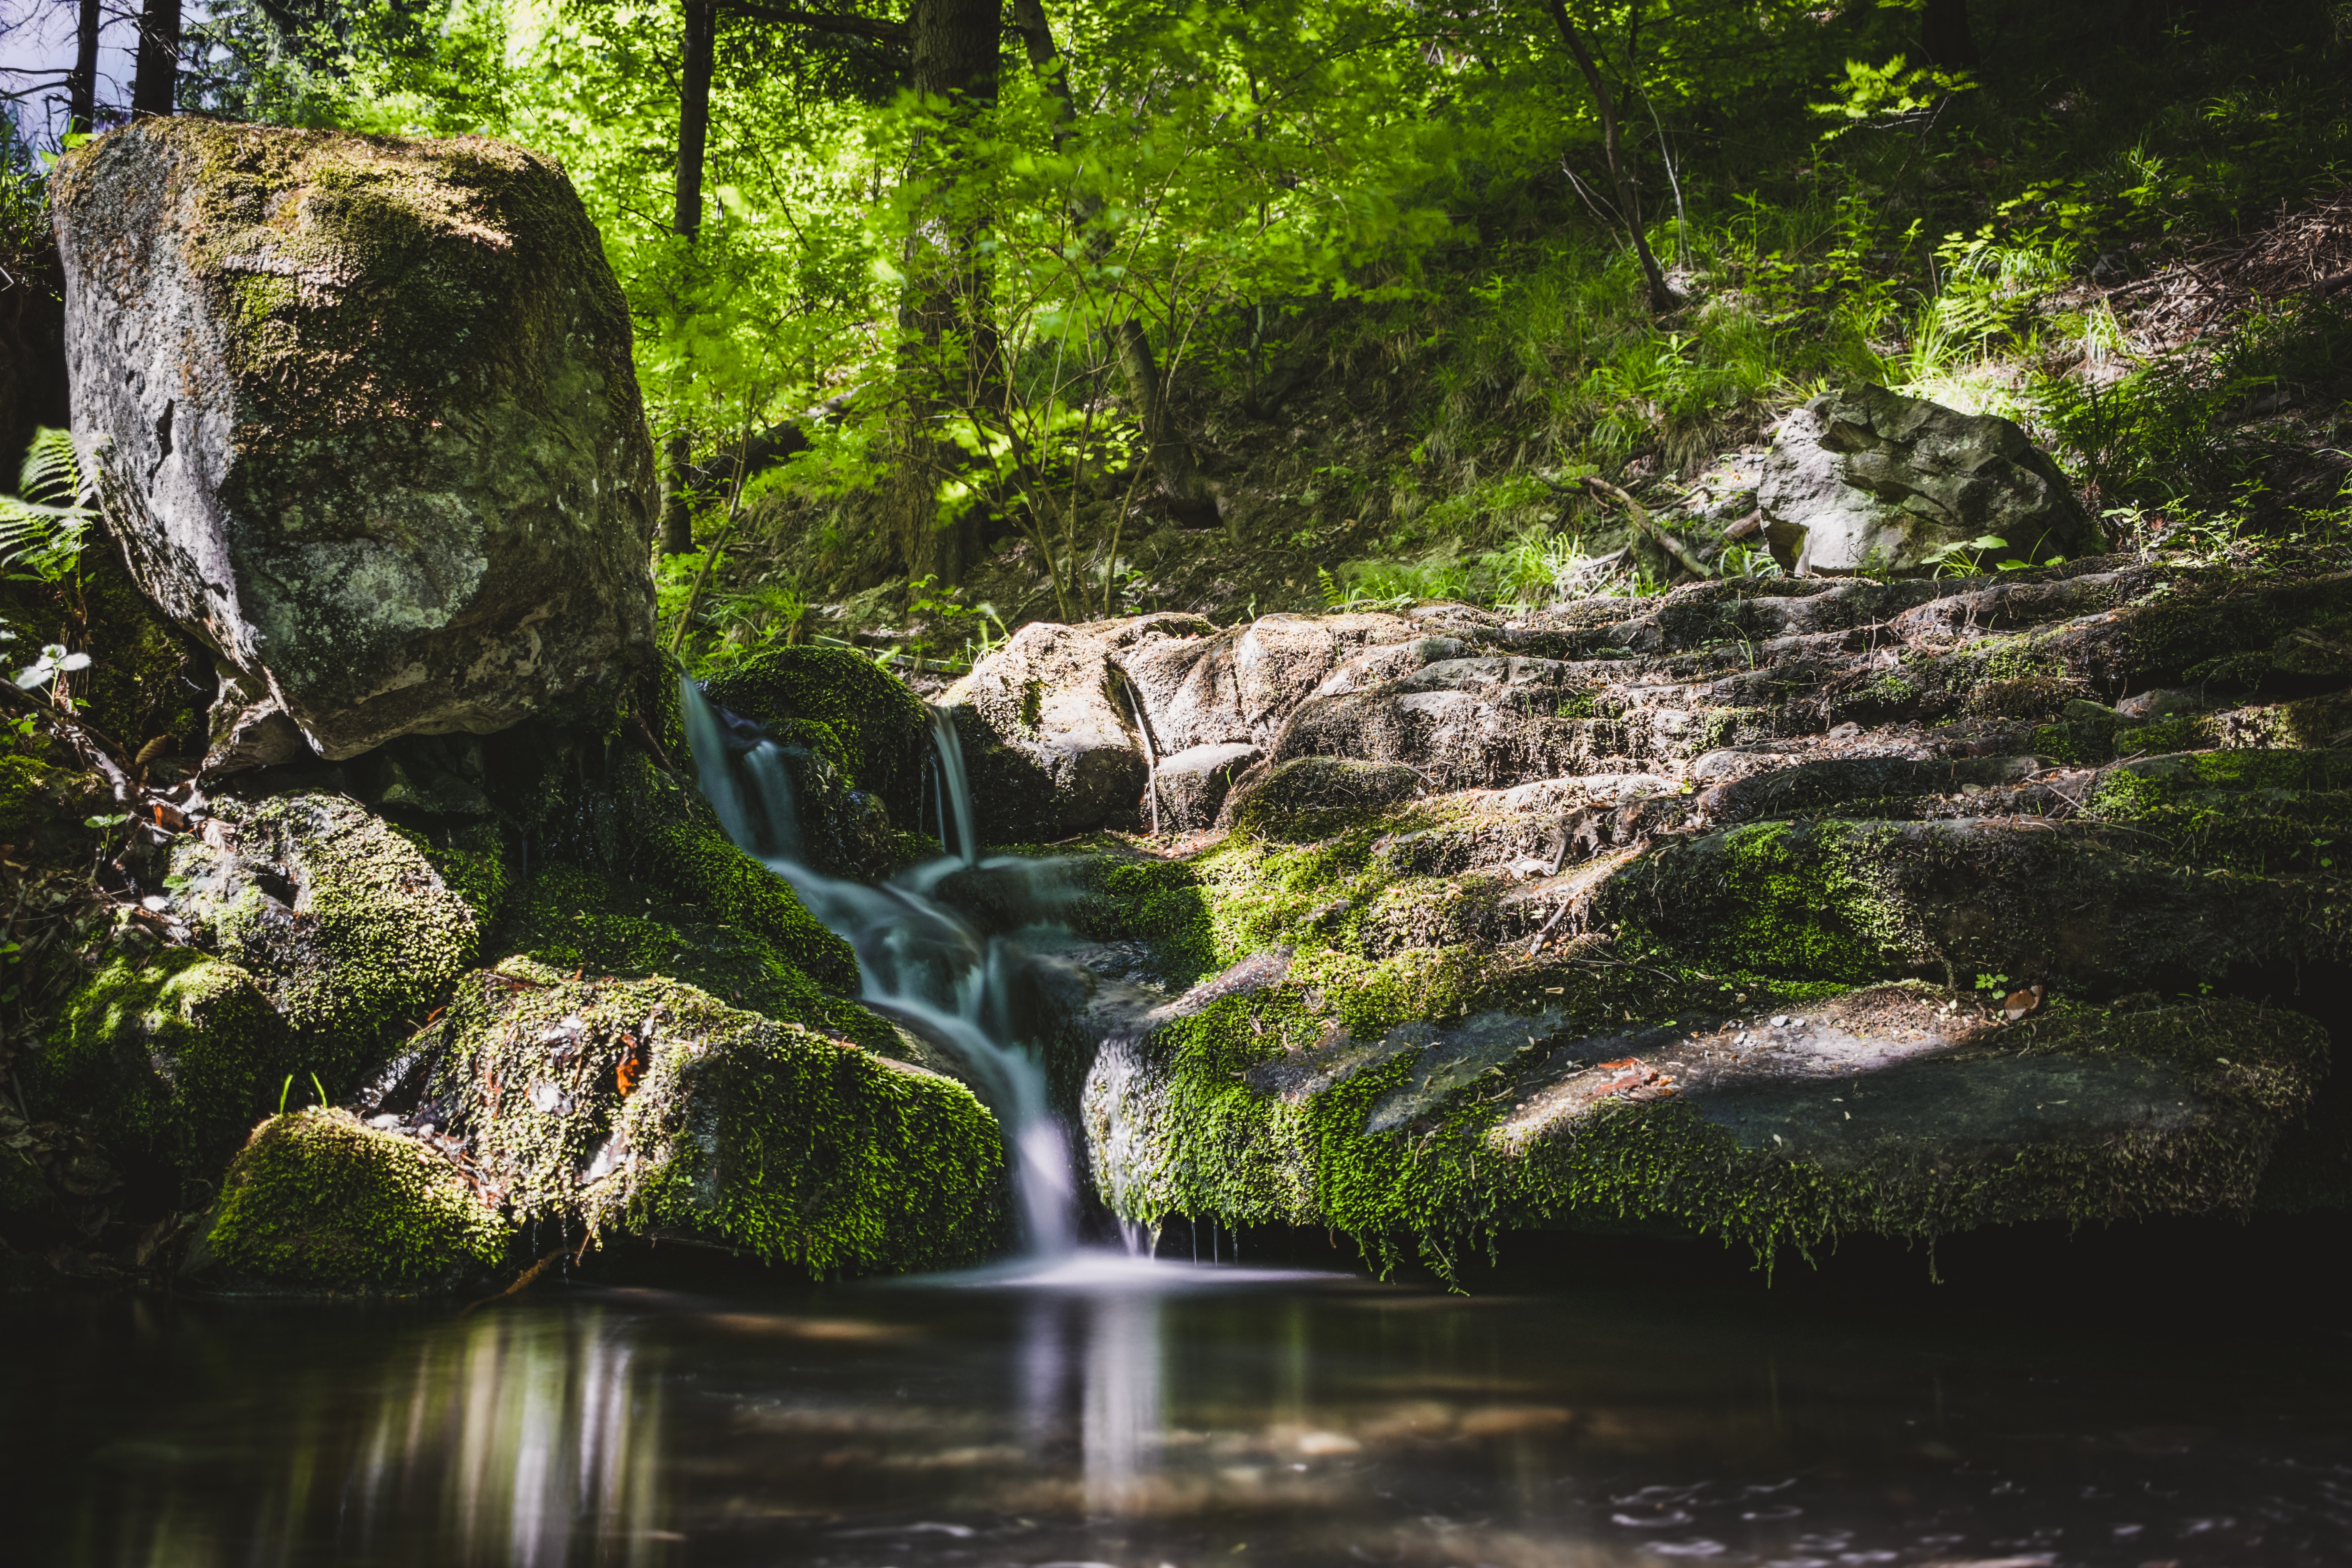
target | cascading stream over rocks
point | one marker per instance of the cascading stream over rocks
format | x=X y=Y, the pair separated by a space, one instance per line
x=920 y=963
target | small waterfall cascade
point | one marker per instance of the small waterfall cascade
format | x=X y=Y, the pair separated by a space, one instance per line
x=919 y=961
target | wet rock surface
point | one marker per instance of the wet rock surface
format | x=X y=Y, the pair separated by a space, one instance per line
x=364 y=421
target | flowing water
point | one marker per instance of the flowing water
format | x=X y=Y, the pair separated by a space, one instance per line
x=919 y=961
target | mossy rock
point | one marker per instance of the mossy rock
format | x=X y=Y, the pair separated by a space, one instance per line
x=663 y=833
x=1894 y=1110
x=342 y=916
x=173 y=1056
x=574 y=921
x=1309 y=798
x=1856 y=899
x=318 y=1201
x=647 y=1108
x=883 y=728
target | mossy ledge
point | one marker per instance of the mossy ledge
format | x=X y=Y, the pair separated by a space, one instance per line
x=2065 y=899
x=645 y=1107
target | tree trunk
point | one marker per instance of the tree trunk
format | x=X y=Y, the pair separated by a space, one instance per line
x=81 y=83
x=1173 y=463
x=1629 y=211
x=953 y=63
x=1945 y=35
x=155 y=77
x=694 y=111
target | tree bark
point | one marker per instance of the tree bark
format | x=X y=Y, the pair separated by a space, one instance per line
x=953 y=64
x=1173 y=463
x=1629 y=211
x=81 y=83
x=694 y=113
x=155 y=77
x=1945 y=35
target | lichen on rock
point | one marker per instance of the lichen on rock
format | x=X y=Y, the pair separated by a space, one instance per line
x=363 y=417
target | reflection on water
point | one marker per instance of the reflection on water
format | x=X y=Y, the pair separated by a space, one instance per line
x=1124 y=1415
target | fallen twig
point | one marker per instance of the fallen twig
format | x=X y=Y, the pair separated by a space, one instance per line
x=1666 y=542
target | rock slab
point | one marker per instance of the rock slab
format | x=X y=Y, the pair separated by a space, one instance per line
x=1868 y=481
x=363 y=417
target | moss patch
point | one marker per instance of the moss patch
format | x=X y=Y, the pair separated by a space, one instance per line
x=341 y=915
x=174 y=1057
x=574 y=921
x=317 y=1200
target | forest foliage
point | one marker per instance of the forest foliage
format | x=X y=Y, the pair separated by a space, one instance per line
x=888 y=328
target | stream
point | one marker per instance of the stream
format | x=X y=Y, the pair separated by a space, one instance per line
x=1174 y=1416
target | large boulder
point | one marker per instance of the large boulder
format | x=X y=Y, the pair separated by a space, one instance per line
x=647 y=1108
x=363 y=415
x=1869 y=481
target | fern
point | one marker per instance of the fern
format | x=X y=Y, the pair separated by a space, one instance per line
x=42 y=529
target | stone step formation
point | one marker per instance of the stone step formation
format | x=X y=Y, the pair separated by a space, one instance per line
x=1770 y=909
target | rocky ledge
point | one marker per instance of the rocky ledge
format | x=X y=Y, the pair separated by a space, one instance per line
x=1770 y=909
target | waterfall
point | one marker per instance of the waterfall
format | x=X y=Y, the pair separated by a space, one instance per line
x=952 y=790
x=918 y=961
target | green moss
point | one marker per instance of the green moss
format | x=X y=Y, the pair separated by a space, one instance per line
x=881 y=728
x=373 y=933
x=674 y=843
x=43 y=808
x=472 y=864
x=317 y=1200
x=176 y=1057
x=734 y=1131
x=574 y=921
x=1193 y=1137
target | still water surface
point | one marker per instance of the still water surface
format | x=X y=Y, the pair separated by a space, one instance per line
x=1123 y=1414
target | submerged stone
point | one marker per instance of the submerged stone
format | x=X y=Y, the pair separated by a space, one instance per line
x=363 y=418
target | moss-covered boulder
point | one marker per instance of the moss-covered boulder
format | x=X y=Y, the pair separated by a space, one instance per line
x=318 y=1201
x=882 y=729
x=174 y=1054
x=1900 y=1111
x=363 y=417
x=646 y=1108
x=574 y=921
x=343 y=919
